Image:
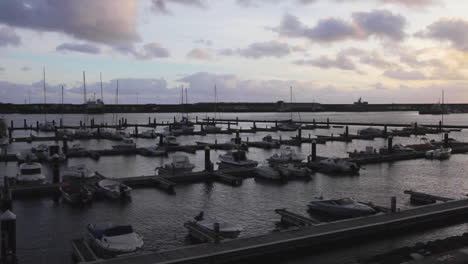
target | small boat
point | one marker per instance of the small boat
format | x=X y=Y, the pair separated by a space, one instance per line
x=345 y=207
x=337 y=165
x=125 y=144
x=402 y=148
x=226 y=230
x=148 y=134
x=237 y=158
x=288 y=126
x=370 y=151
x=212 y=128
x=114 y=189
x=117 y=239
x=47 y=127
x=30 y=172
x=439 y=153
x=269 y=173
x=170 y=140
x=286 y=155
x=370 y=131
x=153 y=151
x=49 y=153
x=78 y=172
x=75 y=193
x=269 y=142
x=76 y=148
x=180 y=164
x=293 y=171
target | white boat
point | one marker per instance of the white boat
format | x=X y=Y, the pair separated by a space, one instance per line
x=268 y=173
x=78 y=172
x=288 y=126
x=148 y=134
x=226 y=229
x=346 y=207
x=114 y=189
x=153 y=151
x=439 y=153
x=125 y=144
x=237 y=158
x=47 y=127
x=49 y=153
x=293 y=171
x=170 y=140
x=116 y=239
x=337 y=165
x=180 y=164
x=212 y=128
x=30 y=172
x=286 y=155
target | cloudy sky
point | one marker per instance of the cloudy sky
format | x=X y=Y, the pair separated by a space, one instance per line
x=329 y=51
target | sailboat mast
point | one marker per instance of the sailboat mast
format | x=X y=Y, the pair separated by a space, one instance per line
x=117 y=93
x=45 y=96
x=443 y=107
x=290 y=97
x=215 y=101
x=84 y=87
x=102 y=94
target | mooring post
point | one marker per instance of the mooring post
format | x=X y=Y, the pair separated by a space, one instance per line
x=201 y=127
x=385 y=130
x=92 y=122
x=393 y=205
x=37 y=125
x=61 y=122
x=11 y=124
x=99 y=132
x=8 y=230
x=10 y=133
x=440 y=125
x=136 y=130
x=7 y=199
x=174 y=119
x=229 y=125
x=315 y=124
x=446 y=140
x=126 y=122
x=170 y=127
x=216 y=230
x=254 y=125
x=390 y=144
x=314 y=150
x=25 y=125
x=276 y=124
x=237 y=120
x=416 y=126
x=65 y=144
x=196 y=119
x=299 y=134
x=280 y=140
x=237 y=138
x=346 y=132
x=149 y=120
x=161 y=139
x=81 y=123
x=328 y=122
x=120 y=123
x=154 y=121
x=208 y=165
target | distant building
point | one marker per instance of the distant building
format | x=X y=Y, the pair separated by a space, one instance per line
x=360 y=102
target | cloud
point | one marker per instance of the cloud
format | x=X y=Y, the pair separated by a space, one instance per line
x=377 y=23
x=448 y=29
x=260 y=49
x=205 y=42
x=2 y=69
x=83 y=48
x=25 y=68
x=8 y=36
x=380 y=86
x=104 y=21
x=406 y=3
x=199 y=54
x=160 y=6
x=374 y=59
x=341 y=62
x=401 y=74
x=411 y=3
x=150 y=51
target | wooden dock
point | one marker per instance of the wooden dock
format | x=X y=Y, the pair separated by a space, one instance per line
x=245 y=249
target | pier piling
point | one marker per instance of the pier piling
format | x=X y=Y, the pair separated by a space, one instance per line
x=314 y=151
x=25 y=125
x=346 y=132
x=208 y=164
x=8 y=229
x=299 y=133
x=390 y=145
x=393 y=204
x=7 y=198
x=446 y=140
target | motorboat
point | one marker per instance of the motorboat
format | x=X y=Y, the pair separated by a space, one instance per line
x=153 y=151
x=125 y=145
x=47 y=127
x=336 y=165
x=269 y=173
x=181 y=127
x=402 y=148
x=148 y=134
x=226 y=229
x=439 y=153
x=293 y=171
x=288 y=126
x=180 y=164
x=370 y=131
x=286 y=155
x=78 y=172
x=49 y=153
x=170 y=140
x=345 y=207
x=237 y=158
x=118 y=239
x=114 y=189
x=212 y=128
x=30 y=172
x=76 y=193
x=269 y=142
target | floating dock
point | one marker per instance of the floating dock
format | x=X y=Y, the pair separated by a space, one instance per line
x=250 y=248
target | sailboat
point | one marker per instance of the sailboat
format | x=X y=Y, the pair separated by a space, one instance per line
x=83 y=131
x=46 y=126
x=96 y=106
x=436 y=109
x=289 y=125
x=184 y=125
x=213 y=127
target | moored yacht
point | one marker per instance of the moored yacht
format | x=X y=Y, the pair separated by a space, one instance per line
x=76 y=193
x=180 y=164
x=336 y=165
x=114 y=189
x=288 y=126
x=286 y=155
x=30 y=172
x=78 y=172
x=346 y=207
x=439 y=153
x=237 y=158
x=116 y=239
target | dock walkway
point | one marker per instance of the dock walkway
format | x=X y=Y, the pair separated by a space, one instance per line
x=247 y=248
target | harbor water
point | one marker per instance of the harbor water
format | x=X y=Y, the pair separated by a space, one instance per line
x=45 y=228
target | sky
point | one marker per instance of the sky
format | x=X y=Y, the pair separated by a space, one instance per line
x=328 y=51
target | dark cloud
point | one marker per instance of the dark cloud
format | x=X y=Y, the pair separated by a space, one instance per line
x=8 y=36
x=378 y=23
x=160 y=6
x=341 y=62
x=401 y=74
x=199 y=54
x=451 y=30
x=75 y=47
x=260 y=49
x=104 y=21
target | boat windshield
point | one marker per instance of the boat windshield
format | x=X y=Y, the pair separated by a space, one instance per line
x=345 y=201
x=31 y=171
x=239 y=155
x=118 y=230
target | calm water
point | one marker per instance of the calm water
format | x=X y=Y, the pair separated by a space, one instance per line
x=45 y=228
